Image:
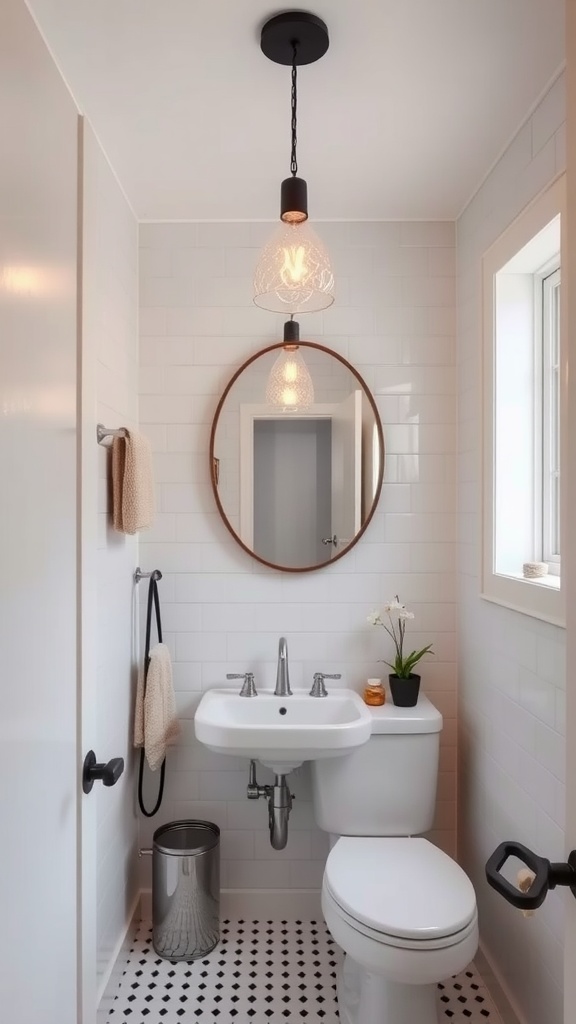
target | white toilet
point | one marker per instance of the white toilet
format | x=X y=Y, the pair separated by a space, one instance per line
x=401 y=909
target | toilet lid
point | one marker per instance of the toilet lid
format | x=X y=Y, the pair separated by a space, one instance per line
x=400 y=887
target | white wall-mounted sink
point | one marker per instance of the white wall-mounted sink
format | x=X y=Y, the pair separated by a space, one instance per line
x=282 y=732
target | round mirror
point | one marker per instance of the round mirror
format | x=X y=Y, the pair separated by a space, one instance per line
x=296 y=456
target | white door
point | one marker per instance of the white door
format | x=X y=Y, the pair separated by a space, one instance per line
x=346 y=471
x=40 y=753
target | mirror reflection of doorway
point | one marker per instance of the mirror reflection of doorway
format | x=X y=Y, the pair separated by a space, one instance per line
x=292 y=489
x=263 y=515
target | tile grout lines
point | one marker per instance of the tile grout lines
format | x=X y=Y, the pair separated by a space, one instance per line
x=261 y=971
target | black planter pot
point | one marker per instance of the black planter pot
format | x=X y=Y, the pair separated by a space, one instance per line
x=404 y=691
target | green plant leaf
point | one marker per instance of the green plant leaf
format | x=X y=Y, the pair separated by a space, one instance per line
x=412 y=659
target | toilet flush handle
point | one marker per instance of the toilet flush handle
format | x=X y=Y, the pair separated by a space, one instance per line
x=547 y=875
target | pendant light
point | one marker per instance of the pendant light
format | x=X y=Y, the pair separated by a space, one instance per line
x=289 y=382
x=293 y=274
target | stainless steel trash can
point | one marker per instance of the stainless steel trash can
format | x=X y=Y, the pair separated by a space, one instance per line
x=186 y=889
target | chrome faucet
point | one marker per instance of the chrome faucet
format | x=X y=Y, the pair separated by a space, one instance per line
x=282 y=674
x=318 y=686
x=248 y=686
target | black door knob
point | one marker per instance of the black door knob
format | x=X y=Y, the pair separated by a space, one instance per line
x=93 y=771
x=547 y=875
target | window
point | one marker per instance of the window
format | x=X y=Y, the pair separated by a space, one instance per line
x=522 y=421
x=549 y=291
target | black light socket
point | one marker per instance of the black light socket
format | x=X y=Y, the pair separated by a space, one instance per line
x=294 y=201
x=291 y=332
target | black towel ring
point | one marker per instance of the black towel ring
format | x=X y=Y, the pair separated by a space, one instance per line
x=153 y=602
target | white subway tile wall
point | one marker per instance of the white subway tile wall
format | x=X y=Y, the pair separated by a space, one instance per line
x=511 y=666
x=110 y=370
x=394 y=319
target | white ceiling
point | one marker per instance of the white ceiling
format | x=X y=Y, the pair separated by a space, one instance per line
x=401 y=119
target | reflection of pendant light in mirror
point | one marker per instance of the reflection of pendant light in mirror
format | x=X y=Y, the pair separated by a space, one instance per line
x=293 y=274
x=289 y=382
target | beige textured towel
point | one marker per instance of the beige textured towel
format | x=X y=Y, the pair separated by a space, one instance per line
x=155 y=722
x=133 y=504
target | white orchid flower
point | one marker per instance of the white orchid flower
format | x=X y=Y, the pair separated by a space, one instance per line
x=395 y=608
x=398 y=614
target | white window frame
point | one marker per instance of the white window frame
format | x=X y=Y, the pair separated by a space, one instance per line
x=517 y=251
x=549 y=288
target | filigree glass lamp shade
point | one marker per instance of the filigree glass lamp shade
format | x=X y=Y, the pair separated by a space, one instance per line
x=294 y=274
x=289 y=383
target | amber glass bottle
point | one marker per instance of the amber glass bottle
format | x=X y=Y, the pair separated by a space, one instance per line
x=374 y=692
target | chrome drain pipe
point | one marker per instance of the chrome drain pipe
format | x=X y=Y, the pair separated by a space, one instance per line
x=279 y=807
x=279 y=800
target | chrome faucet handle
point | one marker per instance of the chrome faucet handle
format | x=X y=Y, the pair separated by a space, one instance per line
x=318 y=687
x=248 y=686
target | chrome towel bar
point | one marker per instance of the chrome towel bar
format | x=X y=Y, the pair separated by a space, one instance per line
x=139 y=575
x=103 y=432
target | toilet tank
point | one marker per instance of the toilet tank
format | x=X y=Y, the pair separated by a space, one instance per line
x=387 y=787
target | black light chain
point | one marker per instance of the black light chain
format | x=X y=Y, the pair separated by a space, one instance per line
x=294 y=101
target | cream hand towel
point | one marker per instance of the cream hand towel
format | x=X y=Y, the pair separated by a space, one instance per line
x=155 y=722
x=139 y=711
x=118 y=464
x=133 y=503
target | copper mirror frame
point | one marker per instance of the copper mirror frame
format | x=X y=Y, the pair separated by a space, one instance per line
x=214 y=468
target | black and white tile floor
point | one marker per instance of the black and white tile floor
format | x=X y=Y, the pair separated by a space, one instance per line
x=261 y=971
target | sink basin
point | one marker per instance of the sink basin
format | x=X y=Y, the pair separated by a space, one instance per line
x=282 y=732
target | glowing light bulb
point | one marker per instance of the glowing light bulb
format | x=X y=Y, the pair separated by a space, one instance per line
x=289 y=383
x=295 y=268
x=293 y=274
x=289 y=398
x=290 y=371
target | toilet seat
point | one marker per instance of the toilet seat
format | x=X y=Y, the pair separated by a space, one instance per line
x=401 y=892
x=394 y=941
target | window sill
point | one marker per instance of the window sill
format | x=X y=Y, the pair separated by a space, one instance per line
x=541 y=598
x=551 y=580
